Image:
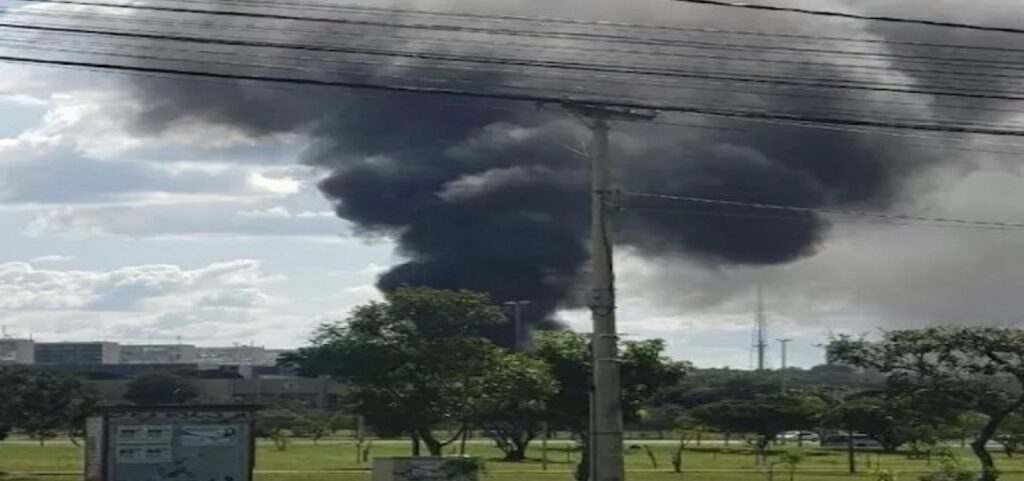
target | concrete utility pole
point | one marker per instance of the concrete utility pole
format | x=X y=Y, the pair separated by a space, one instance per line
x=783 y=343
x=606 y=436
x=519 y=341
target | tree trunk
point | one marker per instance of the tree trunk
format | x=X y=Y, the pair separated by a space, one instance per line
x=583 y=468
x=979 y=445
x=433 y=445
x=415 y=443
x=517 y=453
x=465 y=436
x=988 y=465
x=851 y=459
x=762 y=449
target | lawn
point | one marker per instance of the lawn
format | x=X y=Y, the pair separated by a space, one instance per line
x=336 y=461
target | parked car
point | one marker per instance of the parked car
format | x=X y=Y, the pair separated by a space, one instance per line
x=808 y=436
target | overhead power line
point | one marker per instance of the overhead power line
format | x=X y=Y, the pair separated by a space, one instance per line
x=193 y=56
x=561 y=65
x=959 y=77
x=855 y=16
x=541 y=99
x=827 y=211
x=366 y=10
x=591 y=36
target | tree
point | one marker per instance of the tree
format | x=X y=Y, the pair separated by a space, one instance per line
x=512 y=408
x=765 y=417
x=415 y=362
x=314 y=424
x=890 y=420
x=43 y=404
x=1011 y=434
x=964 y=425
x=157 y=389
x=275 y=424
x=645 y=370
x=951 y=370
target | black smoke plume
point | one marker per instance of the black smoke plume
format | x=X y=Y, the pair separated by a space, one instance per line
x=490 y=196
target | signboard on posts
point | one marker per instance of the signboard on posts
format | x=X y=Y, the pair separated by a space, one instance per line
x=153 y=443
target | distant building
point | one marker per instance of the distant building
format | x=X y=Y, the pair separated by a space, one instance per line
x=238 y=355
x=159 y=354
x=17 y=351
x=77 y=353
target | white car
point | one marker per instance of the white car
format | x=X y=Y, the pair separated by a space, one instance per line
x=809 y=436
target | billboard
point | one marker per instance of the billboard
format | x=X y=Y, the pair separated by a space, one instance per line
x=179 y=443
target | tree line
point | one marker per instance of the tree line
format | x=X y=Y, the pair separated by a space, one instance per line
x=420 y=363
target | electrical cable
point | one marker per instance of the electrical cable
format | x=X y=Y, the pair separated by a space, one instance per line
x=960 y=77
x=854 y=16
x=568 y=21
x=828 y=211
x=994 y=95
x=538 y=99
x=516 y=32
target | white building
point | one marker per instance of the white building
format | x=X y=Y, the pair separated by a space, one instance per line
x=241 y=355
x=159 y=354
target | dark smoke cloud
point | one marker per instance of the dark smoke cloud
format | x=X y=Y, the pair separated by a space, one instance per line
x=488 y=196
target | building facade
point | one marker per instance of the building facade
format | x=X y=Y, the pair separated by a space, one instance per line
x=77 y=353
x=159 y=354
x=17 y=351
x=238 y=355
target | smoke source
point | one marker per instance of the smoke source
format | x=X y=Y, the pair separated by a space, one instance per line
x=490 y=196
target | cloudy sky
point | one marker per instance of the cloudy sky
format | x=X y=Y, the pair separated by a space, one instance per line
x=211 y=235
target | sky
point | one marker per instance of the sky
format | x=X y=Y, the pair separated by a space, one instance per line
x=207 y=234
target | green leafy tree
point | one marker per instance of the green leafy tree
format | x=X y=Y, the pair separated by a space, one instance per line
x=276 y=424
x=156 y=389
x=892 y=421
x=962 y=426
x=512 y=406
x=314 y=424
x=416 y=362
x=764 y=417
x=951 y=370
x=43 y=404
x=645 y=370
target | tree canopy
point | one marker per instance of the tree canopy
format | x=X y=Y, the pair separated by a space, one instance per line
x=43 y=404
x=949 y=370
x=416 y=361
x=156 y=389
x=764 y=416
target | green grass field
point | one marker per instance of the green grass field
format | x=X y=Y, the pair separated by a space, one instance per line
x=335 y=461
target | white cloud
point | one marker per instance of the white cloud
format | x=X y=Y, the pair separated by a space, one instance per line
x=237 y=298
x=25 y=287
x=274 y=185
x=51 y=259
x=185 y=222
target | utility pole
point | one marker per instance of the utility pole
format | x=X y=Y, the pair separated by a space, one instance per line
x=606 y=431
x=783 y=343
x=519 y=341
x=761 y=330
